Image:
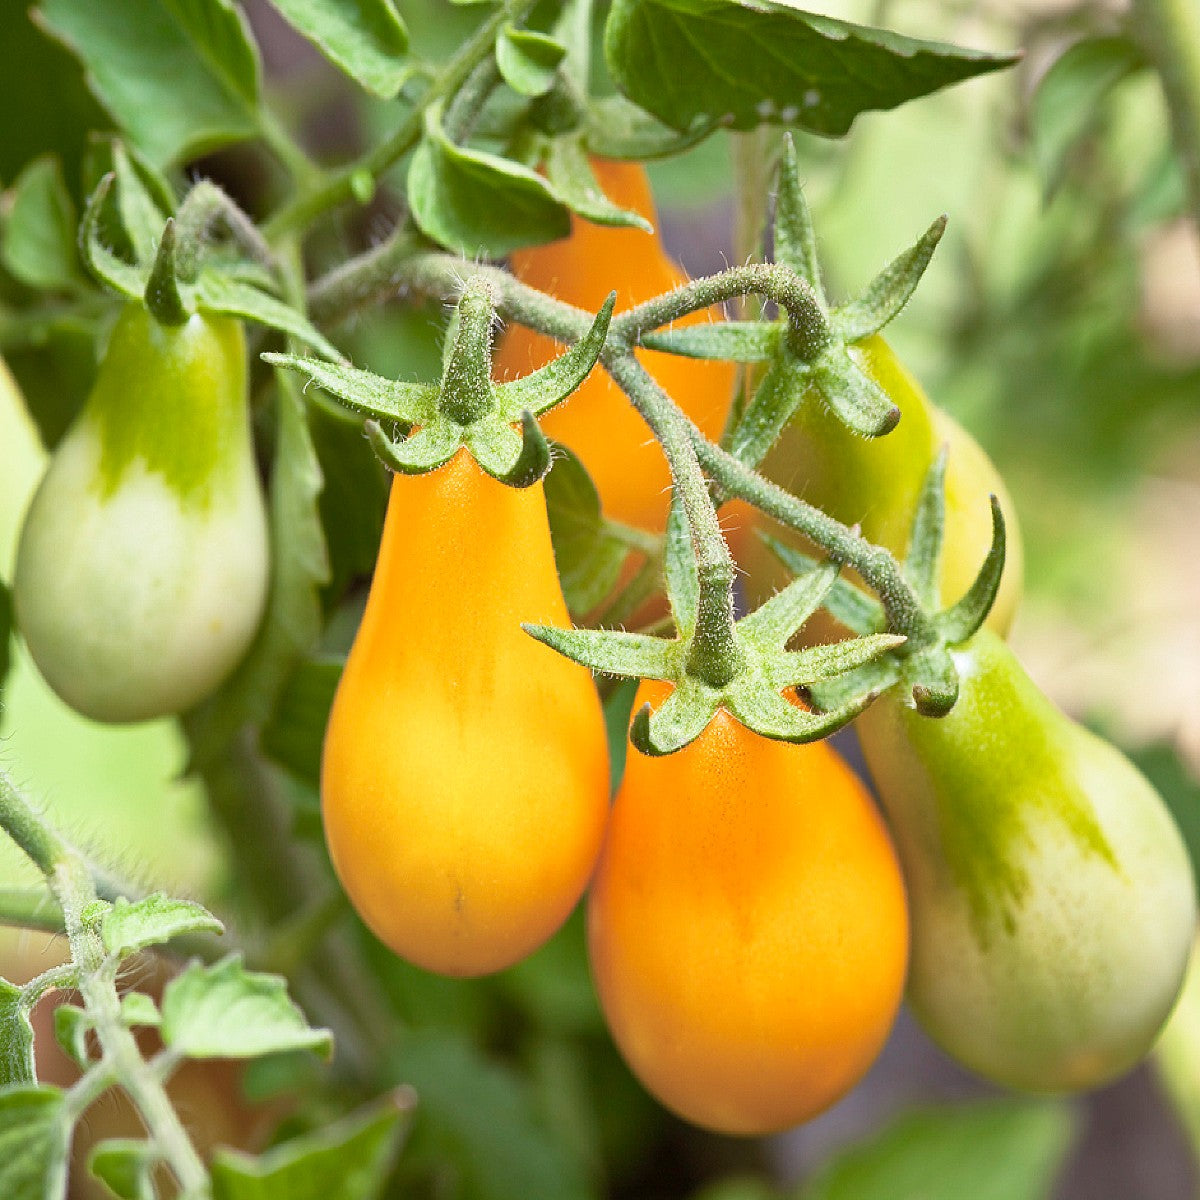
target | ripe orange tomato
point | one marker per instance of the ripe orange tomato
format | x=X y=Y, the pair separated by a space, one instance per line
x=598 y=422
x=747 y=927
x=464 y=777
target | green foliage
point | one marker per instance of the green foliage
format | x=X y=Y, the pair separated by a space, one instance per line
x=34 y=1134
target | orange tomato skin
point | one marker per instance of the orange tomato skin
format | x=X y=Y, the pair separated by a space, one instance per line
x=747 y=928
x=464 y=777
x=598 y=422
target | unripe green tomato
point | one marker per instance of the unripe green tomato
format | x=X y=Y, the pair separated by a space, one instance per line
x=142 y=566
x=876 y=482
x=1052 y=899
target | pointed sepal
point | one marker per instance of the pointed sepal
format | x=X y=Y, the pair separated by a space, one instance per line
x=97 y=257
x=820 y=664
x=681 y=718
x=795 y=239
x=364 y=391
x=775 y=400
x=773 y=716
x=735 y=341
x=855 y=398
x=518 y=460
x=553 y=383
x=924 y=556
x=890 y=290
x=853 y=607
x=612 y=651
x=162 y=295
x=778 y=618
x=958 y=623
x=425 y=451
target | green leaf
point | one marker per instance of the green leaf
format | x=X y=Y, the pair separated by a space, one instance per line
x=181 y=77
x=39 y=232
x=683 y=587
x=34 y=1136
x=71 y=1027
x=56 y=375
x=125 y=1166
x=366 y=38
x=293 y=735
x=614 y=128
x=739 y=341
x=749 y=62
x=571 y=176
x=16 y=1038
x=588 y=557
x=299 y=567
x=139 y=1009
x=476 y=203
x=225 y=1011
x=349 y=1160
x=528 y=60
x=131 y=926
x=1068 y=99
x=220 y=292
x=481 y=1117
x=995 y=1150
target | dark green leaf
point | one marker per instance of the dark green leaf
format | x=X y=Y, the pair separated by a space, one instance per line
x=34 y=1136
x=366 y=38
x=152 y=920
x=181 y=77
x=225 y=1011
x=614 y=128
x=349 y=1160
x=1068 y=99
x=996 y=1150
x=16 y=1038
x=39 y=232
x=55 y=374
x=480 y=204
x=528 y=60
x=294 y=734
x=481 y=1117
x=219 y=291
x=696 y=61
x=126 y=1167
x=589 y=559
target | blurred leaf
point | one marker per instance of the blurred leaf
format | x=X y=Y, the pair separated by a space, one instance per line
x=683 y=586
x=219 y=291
x=34 y=1136
x=748 y=63
x=618 y=709
x=737 y=1187
x=480 y=1117
x=181 y=77
x=1162 y=765
x=348 y=1160
x=71 y=1027
x=225 y=1011
x=589 y=559
x=140 y=203
x=299 y=567
x=570 y=174
x=16 y=1038
x=293 y=735
x=6 y=635
x=126 y=1167
x=139 y=1009
x=1065 y=104
x=39 y=232
x=366 y=38
x=152 y=920
x=44 y=103
x=55 y=370
x=478 y=203
x=528 y=60
x=994 y=1150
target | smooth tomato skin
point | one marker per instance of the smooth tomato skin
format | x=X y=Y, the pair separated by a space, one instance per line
x=598 y=422
x=876 y=482
x=464 y=777
x=747 y=928
x=142 y=567
x=1053 y=905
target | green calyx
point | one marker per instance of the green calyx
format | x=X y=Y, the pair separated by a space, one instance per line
x=466 y=408
x=206 y=257
x=806 y=347
x=925 y=664
x=763 y=670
